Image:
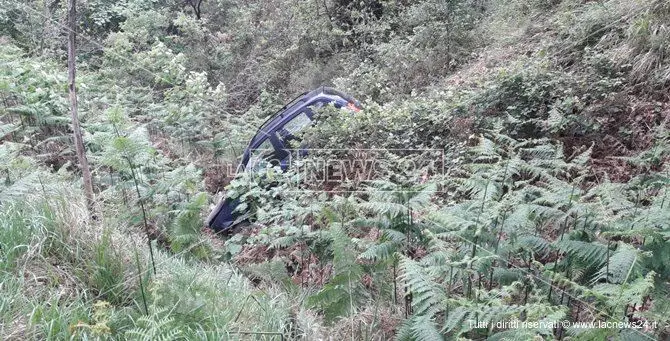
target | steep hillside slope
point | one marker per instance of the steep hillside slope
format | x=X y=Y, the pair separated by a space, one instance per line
x=520 y=189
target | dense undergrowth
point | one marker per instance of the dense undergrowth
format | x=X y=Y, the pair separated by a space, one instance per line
x=546 y=124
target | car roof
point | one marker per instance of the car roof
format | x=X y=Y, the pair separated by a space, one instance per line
x=297 y=104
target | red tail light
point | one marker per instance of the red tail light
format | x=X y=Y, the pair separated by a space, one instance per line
x=352 y=106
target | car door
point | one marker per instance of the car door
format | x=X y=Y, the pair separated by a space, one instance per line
x=270 y=152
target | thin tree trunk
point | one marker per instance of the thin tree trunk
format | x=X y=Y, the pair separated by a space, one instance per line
x=76 y=128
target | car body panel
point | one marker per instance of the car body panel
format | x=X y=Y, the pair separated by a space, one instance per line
x=279 y=128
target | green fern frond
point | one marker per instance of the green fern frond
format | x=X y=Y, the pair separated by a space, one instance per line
x=582 y=158
x=559 y=280
x=627 y=293
x=494 y=313
x=593 y=254
x=380 y=251
x=384 y=208
x=542 y=151
x=425 y=329
x=343 y=292
x=270 y=272
x=425 y=292
x=456 y=318
x=284 y=242
x=418 y=328
x=371 y=222
x=623 y=265
x=612 y=196
x=440 y=252
x=538 y=245
x=485 y=147
x=186 y=227
x=421 y=196
x=506 y=276
x=456 y=217
x=6 y=129
x=512 y=335
x=154 y=327
x=638 y=232
x=341 y=246
x=404 y=332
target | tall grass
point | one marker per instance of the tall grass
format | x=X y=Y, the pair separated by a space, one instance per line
x=15 y=235
x=214 y=300
x=39 y=296
x=57 y=267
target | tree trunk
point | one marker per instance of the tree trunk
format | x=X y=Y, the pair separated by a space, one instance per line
x=76 y=128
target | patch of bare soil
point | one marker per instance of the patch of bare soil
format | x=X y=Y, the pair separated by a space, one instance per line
x=54 y=275
x=627 y=127
x=217 y=177
x=17 y=330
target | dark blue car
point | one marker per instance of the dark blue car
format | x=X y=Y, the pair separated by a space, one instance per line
x=272 y=140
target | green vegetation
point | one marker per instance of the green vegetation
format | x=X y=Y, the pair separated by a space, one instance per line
x=552 y=205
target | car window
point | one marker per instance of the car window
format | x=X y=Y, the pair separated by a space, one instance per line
x=297 y=123
x=260 y=156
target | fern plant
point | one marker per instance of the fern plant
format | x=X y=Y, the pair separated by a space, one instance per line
x=343 y=293
x=185 y=231
x=156 y=326
x=546 y=242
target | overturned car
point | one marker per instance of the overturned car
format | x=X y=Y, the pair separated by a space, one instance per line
x=272 y=140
